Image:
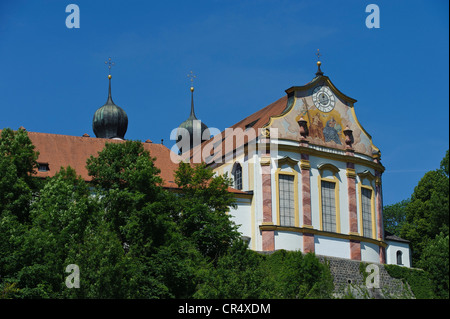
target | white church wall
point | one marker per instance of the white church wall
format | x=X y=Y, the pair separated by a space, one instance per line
x=288 y=240
x=330 y=246
x=391 y=253
x=241 y=215
x=370 y=252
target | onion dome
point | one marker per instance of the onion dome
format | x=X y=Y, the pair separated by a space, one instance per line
x=197 y=130
x=110 y=120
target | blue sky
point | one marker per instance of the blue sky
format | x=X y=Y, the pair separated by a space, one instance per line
x=245 y=53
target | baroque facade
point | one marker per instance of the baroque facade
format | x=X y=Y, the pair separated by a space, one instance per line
x=311 y=175
x=306 y=174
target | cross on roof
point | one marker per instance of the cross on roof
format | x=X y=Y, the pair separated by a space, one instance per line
x=192 y=77
x=318 y=54
x=110 y=64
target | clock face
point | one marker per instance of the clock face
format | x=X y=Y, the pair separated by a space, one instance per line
x=323 y=98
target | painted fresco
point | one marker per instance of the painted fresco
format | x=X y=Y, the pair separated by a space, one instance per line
x=325 y=129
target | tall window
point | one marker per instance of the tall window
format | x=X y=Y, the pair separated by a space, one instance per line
x=238 y=176
x=328 y=206
x=366 y=206
x=287 y=200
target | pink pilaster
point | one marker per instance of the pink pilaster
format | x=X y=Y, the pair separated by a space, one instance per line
x=268 y=236
x=355 y=246
x=351 y=190
x=355 y=250
x=308 y=243
x=379 y=208
x=308 y=239
x=306 y=189
x=268 y=240
x=267 y=193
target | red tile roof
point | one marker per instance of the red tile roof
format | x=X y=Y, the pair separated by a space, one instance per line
x=63 y=150
x=257 y=120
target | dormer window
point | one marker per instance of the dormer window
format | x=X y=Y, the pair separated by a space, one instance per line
x=43 y=167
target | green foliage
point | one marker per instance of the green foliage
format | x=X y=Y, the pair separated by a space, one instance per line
x=127 y=183
x=394 y=217
x=296 y=276
x=424 y=221
x=237 y=275
x=17 y=147
x=427 y=214
x=203 y=205
x=434 y=260
x=243 y=273
x=131 y=238
x=61 y=216
x=125 y=166
x=417 y=279
x=120 y=231
x=444 y=165
x=17 y=165
x=7 y=290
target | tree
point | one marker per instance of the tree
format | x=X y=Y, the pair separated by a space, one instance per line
x=17 y=146
x=242 y=273
x=435 y=260
x=203 y=204
x=127 y=181
x=125 y=166
x=294 y=275
x=17 y=165
x=237 y=275
x=142 y=215
x=60 y=217
x=394 y=217
x=427 y=214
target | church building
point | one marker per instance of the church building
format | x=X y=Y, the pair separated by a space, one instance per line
x=306 y=174
x=311 y=175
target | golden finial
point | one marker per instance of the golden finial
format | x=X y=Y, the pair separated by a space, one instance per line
x=318 y=58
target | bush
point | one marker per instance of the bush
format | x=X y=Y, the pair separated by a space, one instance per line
x=417 y=279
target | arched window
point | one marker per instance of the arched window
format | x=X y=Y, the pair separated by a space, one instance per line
x=237 y=174
x=367 y=216
x=329 y=216
x=366 y=211
x=399 y=257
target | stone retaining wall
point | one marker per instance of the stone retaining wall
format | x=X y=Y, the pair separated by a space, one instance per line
x=350 y=279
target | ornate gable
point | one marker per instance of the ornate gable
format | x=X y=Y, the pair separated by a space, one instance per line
x=327 y=112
